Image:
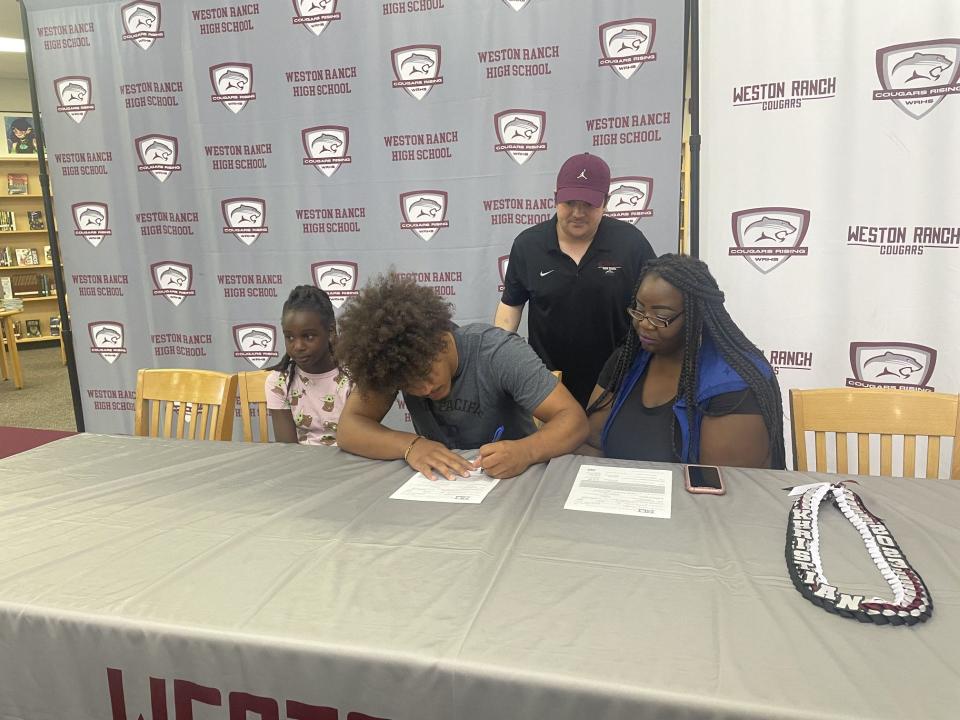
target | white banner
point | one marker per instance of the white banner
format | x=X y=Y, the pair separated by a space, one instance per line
x=208 y=157
x=828 y=213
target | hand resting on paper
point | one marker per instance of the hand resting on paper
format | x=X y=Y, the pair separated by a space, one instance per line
x=431 y=458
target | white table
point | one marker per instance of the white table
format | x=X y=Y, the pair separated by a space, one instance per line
x=229 y=572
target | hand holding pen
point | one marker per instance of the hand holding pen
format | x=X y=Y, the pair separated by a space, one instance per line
x=497 y=434
x=503 y=458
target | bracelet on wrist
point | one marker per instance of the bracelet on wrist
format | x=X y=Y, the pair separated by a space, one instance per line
x=406 y=453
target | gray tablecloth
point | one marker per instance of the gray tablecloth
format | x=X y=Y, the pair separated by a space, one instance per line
x=230 y=571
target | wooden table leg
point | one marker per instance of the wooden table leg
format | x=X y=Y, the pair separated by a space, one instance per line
x=3 y=356
x=14 y=355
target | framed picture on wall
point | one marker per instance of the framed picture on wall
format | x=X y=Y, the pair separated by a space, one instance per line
x=20 y=137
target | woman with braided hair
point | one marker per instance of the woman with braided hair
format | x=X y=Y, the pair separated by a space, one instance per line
x=306 y=391
x=687 y=385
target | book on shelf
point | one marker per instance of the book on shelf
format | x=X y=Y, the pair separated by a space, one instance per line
x=55 y=325
x=7 y=258
x=44 y=285
x=16 y=184
x=16 y=329
x=33 y=328
x=25 y=285
x=8 y=223
x=27 y=256
x=47 y=257
x=35 y=220
x=6 y=287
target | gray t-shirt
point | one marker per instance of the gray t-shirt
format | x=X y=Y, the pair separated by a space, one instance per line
x=499 y=380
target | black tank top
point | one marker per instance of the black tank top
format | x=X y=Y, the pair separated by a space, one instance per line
x=642 y=433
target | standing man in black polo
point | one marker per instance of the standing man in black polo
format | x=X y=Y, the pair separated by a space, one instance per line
x=577 y=270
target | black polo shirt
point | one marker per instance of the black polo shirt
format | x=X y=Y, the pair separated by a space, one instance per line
x=577 y=312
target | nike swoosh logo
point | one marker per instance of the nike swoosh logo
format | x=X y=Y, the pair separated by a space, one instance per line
x=544 y=274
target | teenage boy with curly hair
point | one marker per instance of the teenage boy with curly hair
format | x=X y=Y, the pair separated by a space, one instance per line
x=460 y=385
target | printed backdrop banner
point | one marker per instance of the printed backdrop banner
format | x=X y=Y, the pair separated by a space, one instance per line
x=208 y=157
x=827 y=212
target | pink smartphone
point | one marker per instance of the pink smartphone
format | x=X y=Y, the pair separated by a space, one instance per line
x=704 y=479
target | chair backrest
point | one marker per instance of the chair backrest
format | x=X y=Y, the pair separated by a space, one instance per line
x=202 y=401
x=252 y=392
x=862 y=412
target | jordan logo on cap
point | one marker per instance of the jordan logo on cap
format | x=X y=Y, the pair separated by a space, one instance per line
x=582 y=175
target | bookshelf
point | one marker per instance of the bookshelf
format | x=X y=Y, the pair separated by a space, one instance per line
x=25 y=264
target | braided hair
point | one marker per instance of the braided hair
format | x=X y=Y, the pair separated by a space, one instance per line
x=311 y=299
x=704 y=312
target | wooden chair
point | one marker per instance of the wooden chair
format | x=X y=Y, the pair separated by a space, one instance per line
x=203 y=402
x=865 y=411
x=252 y=392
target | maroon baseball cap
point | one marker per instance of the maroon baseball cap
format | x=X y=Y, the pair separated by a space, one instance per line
x=583 y=177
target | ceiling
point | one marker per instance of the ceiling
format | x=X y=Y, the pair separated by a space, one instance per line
x=12 y=65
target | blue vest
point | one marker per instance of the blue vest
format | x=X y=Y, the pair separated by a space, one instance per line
x=714 y=377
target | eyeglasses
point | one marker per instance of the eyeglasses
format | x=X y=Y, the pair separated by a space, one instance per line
x=655 y=320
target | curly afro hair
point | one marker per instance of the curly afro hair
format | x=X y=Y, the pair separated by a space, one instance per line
x=391 y=334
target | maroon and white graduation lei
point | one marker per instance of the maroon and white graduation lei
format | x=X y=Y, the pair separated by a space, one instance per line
x=911 y=601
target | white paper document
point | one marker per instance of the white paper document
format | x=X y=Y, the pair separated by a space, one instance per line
x=471 y=489
x=622 y=491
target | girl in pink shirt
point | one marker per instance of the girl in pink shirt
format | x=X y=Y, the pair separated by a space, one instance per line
x=306 y=390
